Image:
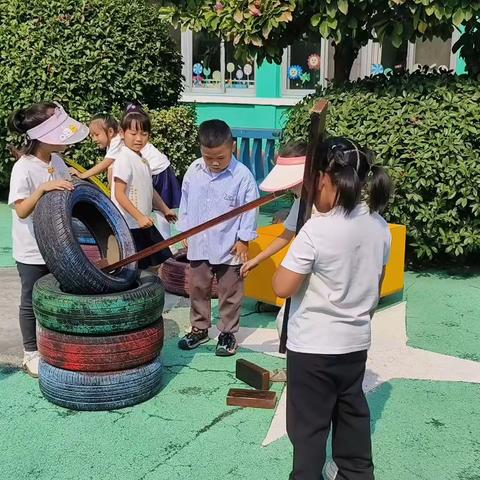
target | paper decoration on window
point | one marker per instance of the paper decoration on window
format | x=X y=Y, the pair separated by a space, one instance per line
x=294 y=72
x=248 y=69
x=314 y=61
x=305 y=77
x=207 y=71
x=377 y=69
x=198 y=69
x=230 y=67
x=217 y=76
x=239 y=74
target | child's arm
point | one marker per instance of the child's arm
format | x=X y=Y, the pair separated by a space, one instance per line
x=159 y=204
x=278 y=244
x=25 y=207
x=99 y=168
x=121 y=196
x=296 y=266
x=247 y=230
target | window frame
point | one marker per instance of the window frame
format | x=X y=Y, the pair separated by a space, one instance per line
x=223 y=90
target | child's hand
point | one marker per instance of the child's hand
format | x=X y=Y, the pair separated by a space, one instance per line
x=56 y=185
x=145 y=222
x=74 y=172
x=170 y=216
x=247 y=266
x=240 y=250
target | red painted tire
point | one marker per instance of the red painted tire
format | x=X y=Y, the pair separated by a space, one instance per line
x=174 y=274
x=101 y=353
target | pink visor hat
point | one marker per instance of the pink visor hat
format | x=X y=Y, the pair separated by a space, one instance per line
x=287 y=173
x=59 y=129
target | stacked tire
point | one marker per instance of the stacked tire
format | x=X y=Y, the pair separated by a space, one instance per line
x=100 y=334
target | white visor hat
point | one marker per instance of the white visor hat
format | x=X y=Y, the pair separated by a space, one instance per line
x=287 y=173
x=59 y=129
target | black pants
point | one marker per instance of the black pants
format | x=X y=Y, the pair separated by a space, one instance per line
x=324 y=390
x=29 y=274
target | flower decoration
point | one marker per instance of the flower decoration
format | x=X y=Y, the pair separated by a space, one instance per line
x=198 y=69
x=219 y=7
x=230 y=67
x=314 y=61
x=294 y=72
x=305 y=77
x=248 y=69
x=207 y=71
x=377 y=69
x=239 y=74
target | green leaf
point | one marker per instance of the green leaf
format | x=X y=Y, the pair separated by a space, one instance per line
x=315 y=20
x=343 y=6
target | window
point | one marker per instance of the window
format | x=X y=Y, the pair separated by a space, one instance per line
x=303 y=66
x=434 y=53
x=210 y=66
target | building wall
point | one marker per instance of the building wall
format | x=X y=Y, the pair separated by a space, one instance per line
x=267 y=109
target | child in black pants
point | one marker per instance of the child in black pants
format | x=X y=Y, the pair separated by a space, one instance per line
x=333 y=272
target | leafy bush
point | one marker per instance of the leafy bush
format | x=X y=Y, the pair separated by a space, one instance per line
x=174 y=132
x=426 y=130
x=89 y=55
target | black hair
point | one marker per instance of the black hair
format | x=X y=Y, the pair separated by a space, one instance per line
x=351 y=168
x=296 y=148
x=109 y=121
x=134 y=117
x=214 y=133
x=22 y=120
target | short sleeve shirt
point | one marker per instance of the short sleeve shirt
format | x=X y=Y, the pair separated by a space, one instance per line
x=28 y=173
x=343 y=257
x=135 y=172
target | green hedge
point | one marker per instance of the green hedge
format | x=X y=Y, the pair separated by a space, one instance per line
x=174 y=132
x=426 y=130
x=90 y=55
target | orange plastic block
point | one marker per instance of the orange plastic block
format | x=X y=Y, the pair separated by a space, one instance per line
x=258 y=284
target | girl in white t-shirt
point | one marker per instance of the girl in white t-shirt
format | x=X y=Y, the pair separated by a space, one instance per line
x=104 y=131
x=132 y=188
x=47 y=130
x=333 y=273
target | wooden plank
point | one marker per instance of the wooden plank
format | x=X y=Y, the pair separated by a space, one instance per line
x=238 y=397
x=253 y=375
x=194 y=231
x=316 y=136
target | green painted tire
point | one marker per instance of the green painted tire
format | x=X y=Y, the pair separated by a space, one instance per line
x=98 y=314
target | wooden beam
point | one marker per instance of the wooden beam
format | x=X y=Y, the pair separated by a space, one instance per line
x=318 y=116
x=259 y=202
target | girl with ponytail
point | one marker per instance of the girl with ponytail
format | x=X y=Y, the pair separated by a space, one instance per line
x=46 y=130
x=333 y=273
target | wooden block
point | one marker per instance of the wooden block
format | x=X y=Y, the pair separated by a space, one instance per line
x=240 y=397
x=253 y=375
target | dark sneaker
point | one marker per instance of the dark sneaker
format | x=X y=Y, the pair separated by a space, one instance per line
x=227 y=345
x=193 y=339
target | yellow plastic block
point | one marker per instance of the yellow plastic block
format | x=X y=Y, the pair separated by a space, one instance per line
x=258 y=284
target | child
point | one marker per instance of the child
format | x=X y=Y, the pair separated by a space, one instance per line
x=214 y=184
x=333 y=272
x=132 y=188
x=104 y=132
x=287 y=174
x=47 y=130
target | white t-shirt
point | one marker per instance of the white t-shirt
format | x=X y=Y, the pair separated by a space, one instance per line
x=135 y=172
x=28 y=173
x=157 y=160
x=290 y=222
x=344 y=258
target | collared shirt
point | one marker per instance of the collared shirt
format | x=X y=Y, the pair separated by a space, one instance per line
x=206 y=195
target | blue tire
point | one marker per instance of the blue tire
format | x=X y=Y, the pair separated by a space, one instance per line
x=100 y=391
x=61 y=250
